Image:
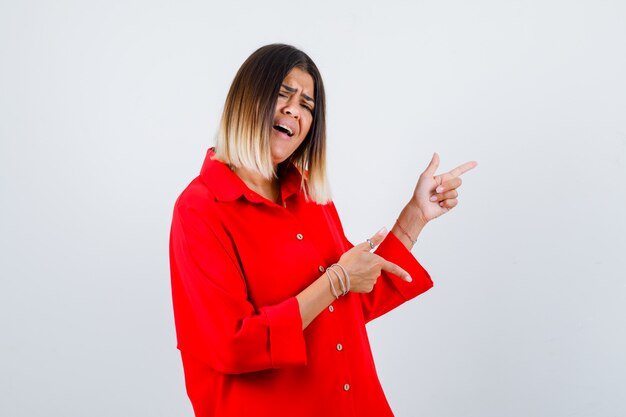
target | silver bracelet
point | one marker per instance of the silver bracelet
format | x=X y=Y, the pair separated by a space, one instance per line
x=345 y=274
x=332 y=286
x=343 y=285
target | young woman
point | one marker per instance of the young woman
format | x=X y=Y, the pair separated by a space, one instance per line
x=270 y=298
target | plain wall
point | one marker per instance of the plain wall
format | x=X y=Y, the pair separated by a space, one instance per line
x=107 y=109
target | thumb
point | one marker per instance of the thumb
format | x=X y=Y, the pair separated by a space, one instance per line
x=433 y=165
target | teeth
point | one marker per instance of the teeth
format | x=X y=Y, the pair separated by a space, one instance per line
x=289 y=132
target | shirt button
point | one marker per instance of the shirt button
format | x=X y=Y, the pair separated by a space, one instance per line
x=346 y=387
x=339 y=347
x=299 y=236
x=321 y=268
x=331 y=308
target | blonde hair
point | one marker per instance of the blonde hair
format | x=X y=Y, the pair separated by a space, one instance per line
x=243 y=139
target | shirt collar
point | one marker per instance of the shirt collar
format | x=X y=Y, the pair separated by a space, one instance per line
x=227 y=186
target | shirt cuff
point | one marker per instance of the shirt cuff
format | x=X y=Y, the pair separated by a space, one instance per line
x=286 y=338
x=393 y=250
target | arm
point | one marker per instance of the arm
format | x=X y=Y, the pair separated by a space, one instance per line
x=409 y=225
x=364 y=269
x=215 y=322
x=315 y=298
x=392 y=285
x=390 y=291
x=433 y=196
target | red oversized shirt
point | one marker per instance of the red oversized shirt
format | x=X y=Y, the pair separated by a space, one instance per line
x=237 y=262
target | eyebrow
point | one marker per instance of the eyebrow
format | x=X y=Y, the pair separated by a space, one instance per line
x=293 y=90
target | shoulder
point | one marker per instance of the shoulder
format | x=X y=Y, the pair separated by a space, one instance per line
x=195 y=199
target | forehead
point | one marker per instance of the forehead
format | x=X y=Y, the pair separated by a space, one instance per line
x=301 y=80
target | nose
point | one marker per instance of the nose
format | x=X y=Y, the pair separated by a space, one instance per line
x=292 y=109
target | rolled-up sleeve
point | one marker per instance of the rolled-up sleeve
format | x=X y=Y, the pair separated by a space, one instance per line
x=215 y=322
x=286 y=339
x=390 y=290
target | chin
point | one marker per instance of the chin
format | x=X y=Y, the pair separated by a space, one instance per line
x=280 y=155
x=279 y=159
x=282 y=151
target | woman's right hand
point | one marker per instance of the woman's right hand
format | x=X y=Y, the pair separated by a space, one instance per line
x=364 y=267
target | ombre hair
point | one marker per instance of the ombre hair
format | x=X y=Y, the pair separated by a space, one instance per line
x=247 y=122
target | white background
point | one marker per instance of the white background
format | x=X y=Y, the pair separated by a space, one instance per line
x=107 y=109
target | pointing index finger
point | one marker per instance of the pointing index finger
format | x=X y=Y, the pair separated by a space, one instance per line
x=461 y=169
x=396 y=270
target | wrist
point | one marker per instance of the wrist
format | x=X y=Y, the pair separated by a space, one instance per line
x=338 y=279
x=409 y=225
x=413 y=214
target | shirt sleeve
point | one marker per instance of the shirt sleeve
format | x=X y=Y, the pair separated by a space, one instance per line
x=390 y=290
x=215 y=322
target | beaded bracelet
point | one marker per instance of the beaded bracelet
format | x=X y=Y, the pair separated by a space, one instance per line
x=405 y=232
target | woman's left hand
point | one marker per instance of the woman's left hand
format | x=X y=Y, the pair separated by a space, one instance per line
x=435 y=195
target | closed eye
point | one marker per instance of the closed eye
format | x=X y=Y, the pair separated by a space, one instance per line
x=304 y=104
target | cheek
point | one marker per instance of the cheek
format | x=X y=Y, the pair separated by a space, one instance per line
x=306 y=126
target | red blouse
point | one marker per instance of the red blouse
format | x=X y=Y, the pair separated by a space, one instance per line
x=237 y=262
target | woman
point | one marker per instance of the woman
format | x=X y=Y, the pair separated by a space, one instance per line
x=270 y=298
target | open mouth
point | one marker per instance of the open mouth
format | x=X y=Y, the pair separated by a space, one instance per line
x=284 y=129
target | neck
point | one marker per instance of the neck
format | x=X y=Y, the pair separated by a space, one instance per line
x=268 y=188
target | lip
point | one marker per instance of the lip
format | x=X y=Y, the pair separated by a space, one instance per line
x=281 y=135
x=290 y=124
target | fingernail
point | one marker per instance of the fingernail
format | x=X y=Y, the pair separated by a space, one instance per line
x=433 y=198
x=439 y=189
x=382 y=231
x=408 y=278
